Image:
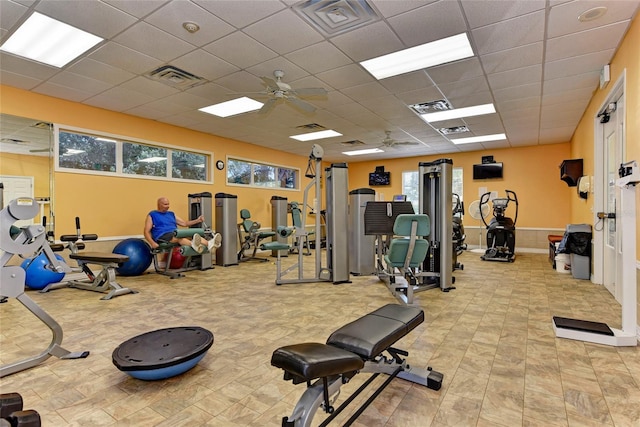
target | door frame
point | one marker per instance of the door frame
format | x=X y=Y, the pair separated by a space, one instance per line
x=599 y=203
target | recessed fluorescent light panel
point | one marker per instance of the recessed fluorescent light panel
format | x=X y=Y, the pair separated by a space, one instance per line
x=233 y=107
x=484 y=138
x=458 y=113
x=312 y=136
x=361 y=152
x=416 y=58
x=51 y=42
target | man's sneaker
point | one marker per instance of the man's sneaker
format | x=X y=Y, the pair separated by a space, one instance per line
x=216 y=242
x=196 y=243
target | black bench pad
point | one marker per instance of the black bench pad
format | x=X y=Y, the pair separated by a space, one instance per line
x=314 y=360
x=375 y=332
x=100 y=257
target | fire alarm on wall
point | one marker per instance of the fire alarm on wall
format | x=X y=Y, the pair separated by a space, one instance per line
x=605 y=76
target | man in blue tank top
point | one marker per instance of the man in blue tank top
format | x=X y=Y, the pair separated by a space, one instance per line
x=161 y=225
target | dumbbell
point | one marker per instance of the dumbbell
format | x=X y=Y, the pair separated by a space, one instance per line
x=12 y=415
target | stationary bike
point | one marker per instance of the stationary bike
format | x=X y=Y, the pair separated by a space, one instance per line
x=501 y=230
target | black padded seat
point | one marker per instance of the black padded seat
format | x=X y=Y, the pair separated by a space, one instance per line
x=375 y=332
x=100 y=257
x=314 y=360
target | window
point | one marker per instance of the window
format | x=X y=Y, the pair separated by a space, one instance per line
x=246 y=172
x=82 y=151
x=411 y=185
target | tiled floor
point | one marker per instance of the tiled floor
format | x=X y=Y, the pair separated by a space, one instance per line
x=492 y=339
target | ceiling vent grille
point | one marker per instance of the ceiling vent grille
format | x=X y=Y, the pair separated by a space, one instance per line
x=311 y=126
x=175 y=77
x=431 y=106
x=453 y=130
x=352 y=143
x=333 y=17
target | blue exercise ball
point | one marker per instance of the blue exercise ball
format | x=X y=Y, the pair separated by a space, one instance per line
x=38 y=275
x=139 y=254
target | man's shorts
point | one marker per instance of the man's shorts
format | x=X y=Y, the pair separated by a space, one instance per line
x=166 y=237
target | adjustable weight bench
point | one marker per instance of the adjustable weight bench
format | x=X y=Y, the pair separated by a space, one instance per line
x=355 y=347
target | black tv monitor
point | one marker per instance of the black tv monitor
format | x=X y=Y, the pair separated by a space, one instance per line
x=379 y=178
x=487 y=171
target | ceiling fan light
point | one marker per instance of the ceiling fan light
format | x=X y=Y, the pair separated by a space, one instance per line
x=415 y=58
x=233 y=107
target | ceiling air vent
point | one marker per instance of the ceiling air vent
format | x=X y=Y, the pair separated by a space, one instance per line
x=175 y=77
x=333 y=17
x=453 y=130
x=311 y=126
x=431 y=106
x=352 y=143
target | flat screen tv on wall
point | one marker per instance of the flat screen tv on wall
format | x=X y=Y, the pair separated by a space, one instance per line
x=487 y=171
x=379 y=178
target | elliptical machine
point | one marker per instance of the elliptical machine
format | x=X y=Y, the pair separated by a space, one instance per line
x=501 y=230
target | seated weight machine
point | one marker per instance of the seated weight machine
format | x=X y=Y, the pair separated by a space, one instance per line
x=104 y=281
x=27 y=241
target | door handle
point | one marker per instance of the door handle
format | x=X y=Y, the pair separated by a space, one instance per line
x=604 y=215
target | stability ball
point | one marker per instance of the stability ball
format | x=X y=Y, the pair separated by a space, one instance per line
x=139 y=254
x=177 y=259
x=38 y=275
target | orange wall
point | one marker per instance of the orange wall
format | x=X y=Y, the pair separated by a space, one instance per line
x=34 y=166
x=531 y=172
x=117 y=206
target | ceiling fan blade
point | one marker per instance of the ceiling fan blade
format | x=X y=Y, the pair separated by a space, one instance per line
x=268 y=106
x=305 y=106
x=271 y=84
x=311 y=91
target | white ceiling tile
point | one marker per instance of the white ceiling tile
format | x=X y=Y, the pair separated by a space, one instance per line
x=173 y=15
x=357 y=44
x=511 y=33
x=484 y=12
x=521 y=76
x=18 y=80
x=511 y=59
x=18 y=65
x=119 y=99
x=149 y=87
x=291 y=71
x=517 y=92
x=427 y=94
x=139 y=9
x=10 y=13
x=598 y=39
x=469 y=87
x=581 y=96
x=319 y=57
x=118 y=56
x=244 y=12
x=391 y=8
x=366 y=91
x=470 y=99
x=100 y=71
x=240 y=49
x=347 y=76
x=94 y=17
x=442 y=19
x=580 y=81
x=59 y=91
x=153 y=42
x=556 y=135
x=283 y=32
x=563 y=19
x=577 y=64
x=464 y=69
x=205 y=65
x=80 y=83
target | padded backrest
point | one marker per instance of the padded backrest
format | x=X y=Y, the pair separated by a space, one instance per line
x=296 y=214
x=399 y=248
x=245 y=214
x=402 y=226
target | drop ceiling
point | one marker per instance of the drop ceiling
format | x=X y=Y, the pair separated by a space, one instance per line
x=533 y=59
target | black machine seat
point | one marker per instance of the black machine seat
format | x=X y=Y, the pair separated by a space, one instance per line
x=100 y=257
x=308 y=361
x=375 y=332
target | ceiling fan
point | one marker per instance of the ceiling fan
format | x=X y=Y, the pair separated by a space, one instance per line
x=389 y=142
x=280 y=92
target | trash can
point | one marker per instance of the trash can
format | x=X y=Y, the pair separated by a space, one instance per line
x=576 y=243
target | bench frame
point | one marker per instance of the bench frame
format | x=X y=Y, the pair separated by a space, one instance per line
x=325 y=390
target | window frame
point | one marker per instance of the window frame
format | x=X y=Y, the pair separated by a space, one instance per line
x=120 y=140
x=253 y=163
x=416 y=202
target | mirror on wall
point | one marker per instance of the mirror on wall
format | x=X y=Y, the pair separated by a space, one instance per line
x=26 y=163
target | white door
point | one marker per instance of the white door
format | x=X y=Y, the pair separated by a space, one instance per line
x=14 y=187
x=613 y=157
